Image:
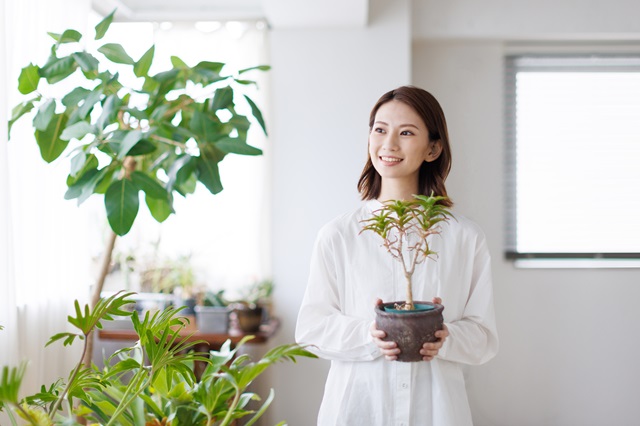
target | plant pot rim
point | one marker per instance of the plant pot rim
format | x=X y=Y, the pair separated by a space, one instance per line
x=380 y=309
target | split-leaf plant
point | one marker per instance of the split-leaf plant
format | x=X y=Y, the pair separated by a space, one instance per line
x=405 y=227
x=158 y=137
x=149 y=384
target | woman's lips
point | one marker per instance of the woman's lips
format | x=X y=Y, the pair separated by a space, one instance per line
x=390 y=161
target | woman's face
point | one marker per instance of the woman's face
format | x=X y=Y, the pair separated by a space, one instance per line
x=399 y=143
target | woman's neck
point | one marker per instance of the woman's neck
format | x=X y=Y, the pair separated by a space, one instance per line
x=396 y=190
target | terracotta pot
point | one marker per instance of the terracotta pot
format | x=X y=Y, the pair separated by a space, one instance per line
x=409 y=329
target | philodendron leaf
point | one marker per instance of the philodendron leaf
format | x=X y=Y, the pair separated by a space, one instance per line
x=44 y=115
x=103 y=26
x=68 y=36
x=49 y=141
x=115 y=53
x=222 y=99
x=141 y=68
x=122 y=204
x=29 y=79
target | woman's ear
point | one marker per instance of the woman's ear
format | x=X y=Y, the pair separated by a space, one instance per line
x=435 y=149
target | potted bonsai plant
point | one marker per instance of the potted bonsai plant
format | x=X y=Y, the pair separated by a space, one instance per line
x=405 y=227
x=151 y=383
x=156 y=138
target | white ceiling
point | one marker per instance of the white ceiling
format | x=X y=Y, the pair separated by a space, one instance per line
x=278 y=13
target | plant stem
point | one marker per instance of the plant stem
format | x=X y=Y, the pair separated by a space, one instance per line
x=409 y=300
x=169 y=141
x=104 y=271
x=55 y=407
x=26 y=415
x=232 y=408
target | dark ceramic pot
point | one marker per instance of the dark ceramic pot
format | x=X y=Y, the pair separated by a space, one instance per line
x=409 y=329
x=249 y=319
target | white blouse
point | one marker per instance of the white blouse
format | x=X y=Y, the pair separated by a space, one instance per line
x=348 y=272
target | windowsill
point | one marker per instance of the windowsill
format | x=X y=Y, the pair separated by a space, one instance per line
x=576 y=263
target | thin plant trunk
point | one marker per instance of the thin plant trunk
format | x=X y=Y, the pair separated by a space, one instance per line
x=409 y=302
x=97 y=291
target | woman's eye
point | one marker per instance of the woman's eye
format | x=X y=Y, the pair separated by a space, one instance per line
x=378 y=130
x=406 y=133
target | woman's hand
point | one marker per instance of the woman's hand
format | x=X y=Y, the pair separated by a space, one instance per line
x=389 y=349
x=430 y=350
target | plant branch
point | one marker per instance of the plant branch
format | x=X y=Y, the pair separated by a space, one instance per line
x=73 y=376
x=169 y=141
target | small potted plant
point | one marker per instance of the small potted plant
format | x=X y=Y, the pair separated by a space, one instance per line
x=405 y=227
x=254 y=305
x=212 y=315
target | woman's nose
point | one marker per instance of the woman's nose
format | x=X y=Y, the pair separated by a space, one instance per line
x=390 y=143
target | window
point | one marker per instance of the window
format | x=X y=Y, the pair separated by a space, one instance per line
x=573 y=175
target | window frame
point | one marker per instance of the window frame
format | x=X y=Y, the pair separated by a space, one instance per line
x=576 y=60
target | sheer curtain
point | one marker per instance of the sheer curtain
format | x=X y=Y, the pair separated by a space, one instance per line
x=43 y=247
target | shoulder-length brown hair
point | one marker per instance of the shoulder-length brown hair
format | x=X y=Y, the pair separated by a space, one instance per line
x=432 y=174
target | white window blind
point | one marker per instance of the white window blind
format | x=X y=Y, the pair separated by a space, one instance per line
x=573 y=157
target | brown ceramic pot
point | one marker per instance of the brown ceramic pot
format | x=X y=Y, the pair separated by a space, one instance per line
x=409 y=329
x=249 y=319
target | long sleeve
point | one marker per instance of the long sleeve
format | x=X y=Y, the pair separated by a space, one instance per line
x=473 y=339
x=321 y=321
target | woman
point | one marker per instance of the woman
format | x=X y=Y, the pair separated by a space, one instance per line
x=409 y=154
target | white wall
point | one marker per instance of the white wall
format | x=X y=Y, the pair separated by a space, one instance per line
x=324 y=82
x=569 y=338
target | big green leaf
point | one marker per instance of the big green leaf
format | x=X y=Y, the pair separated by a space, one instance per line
x=44 y=115
x=235 y=146
x=122 y=204
x=103 y=26
x=208 y=172
x=128 y=142
x=141 y=68
x=88 y=103
x=28 y=79
x=256 y=113
x=77 y=131
x=68 y=36
x=86 y=61
x=20 y=110
x=222 y=99
x=109 y=112
x=259 y=67
x=115 y=53
x=57 y=69
x=206 y=127
x=149 y=185
x=75 y=96
x=159 y=208
x=49 y=142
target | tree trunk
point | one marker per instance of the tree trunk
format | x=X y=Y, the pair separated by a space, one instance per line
x=409 y=301
x=95 y=297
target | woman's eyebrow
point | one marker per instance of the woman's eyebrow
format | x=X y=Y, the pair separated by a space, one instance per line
x=402 y=125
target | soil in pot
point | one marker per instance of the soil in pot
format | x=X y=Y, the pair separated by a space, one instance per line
x=409 y=329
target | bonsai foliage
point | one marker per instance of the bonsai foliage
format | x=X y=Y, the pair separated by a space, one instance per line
x=405 y=227
x=156 y=137
x=150 y=383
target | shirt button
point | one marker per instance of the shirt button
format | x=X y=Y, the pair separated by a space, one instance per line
x=404 y=386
